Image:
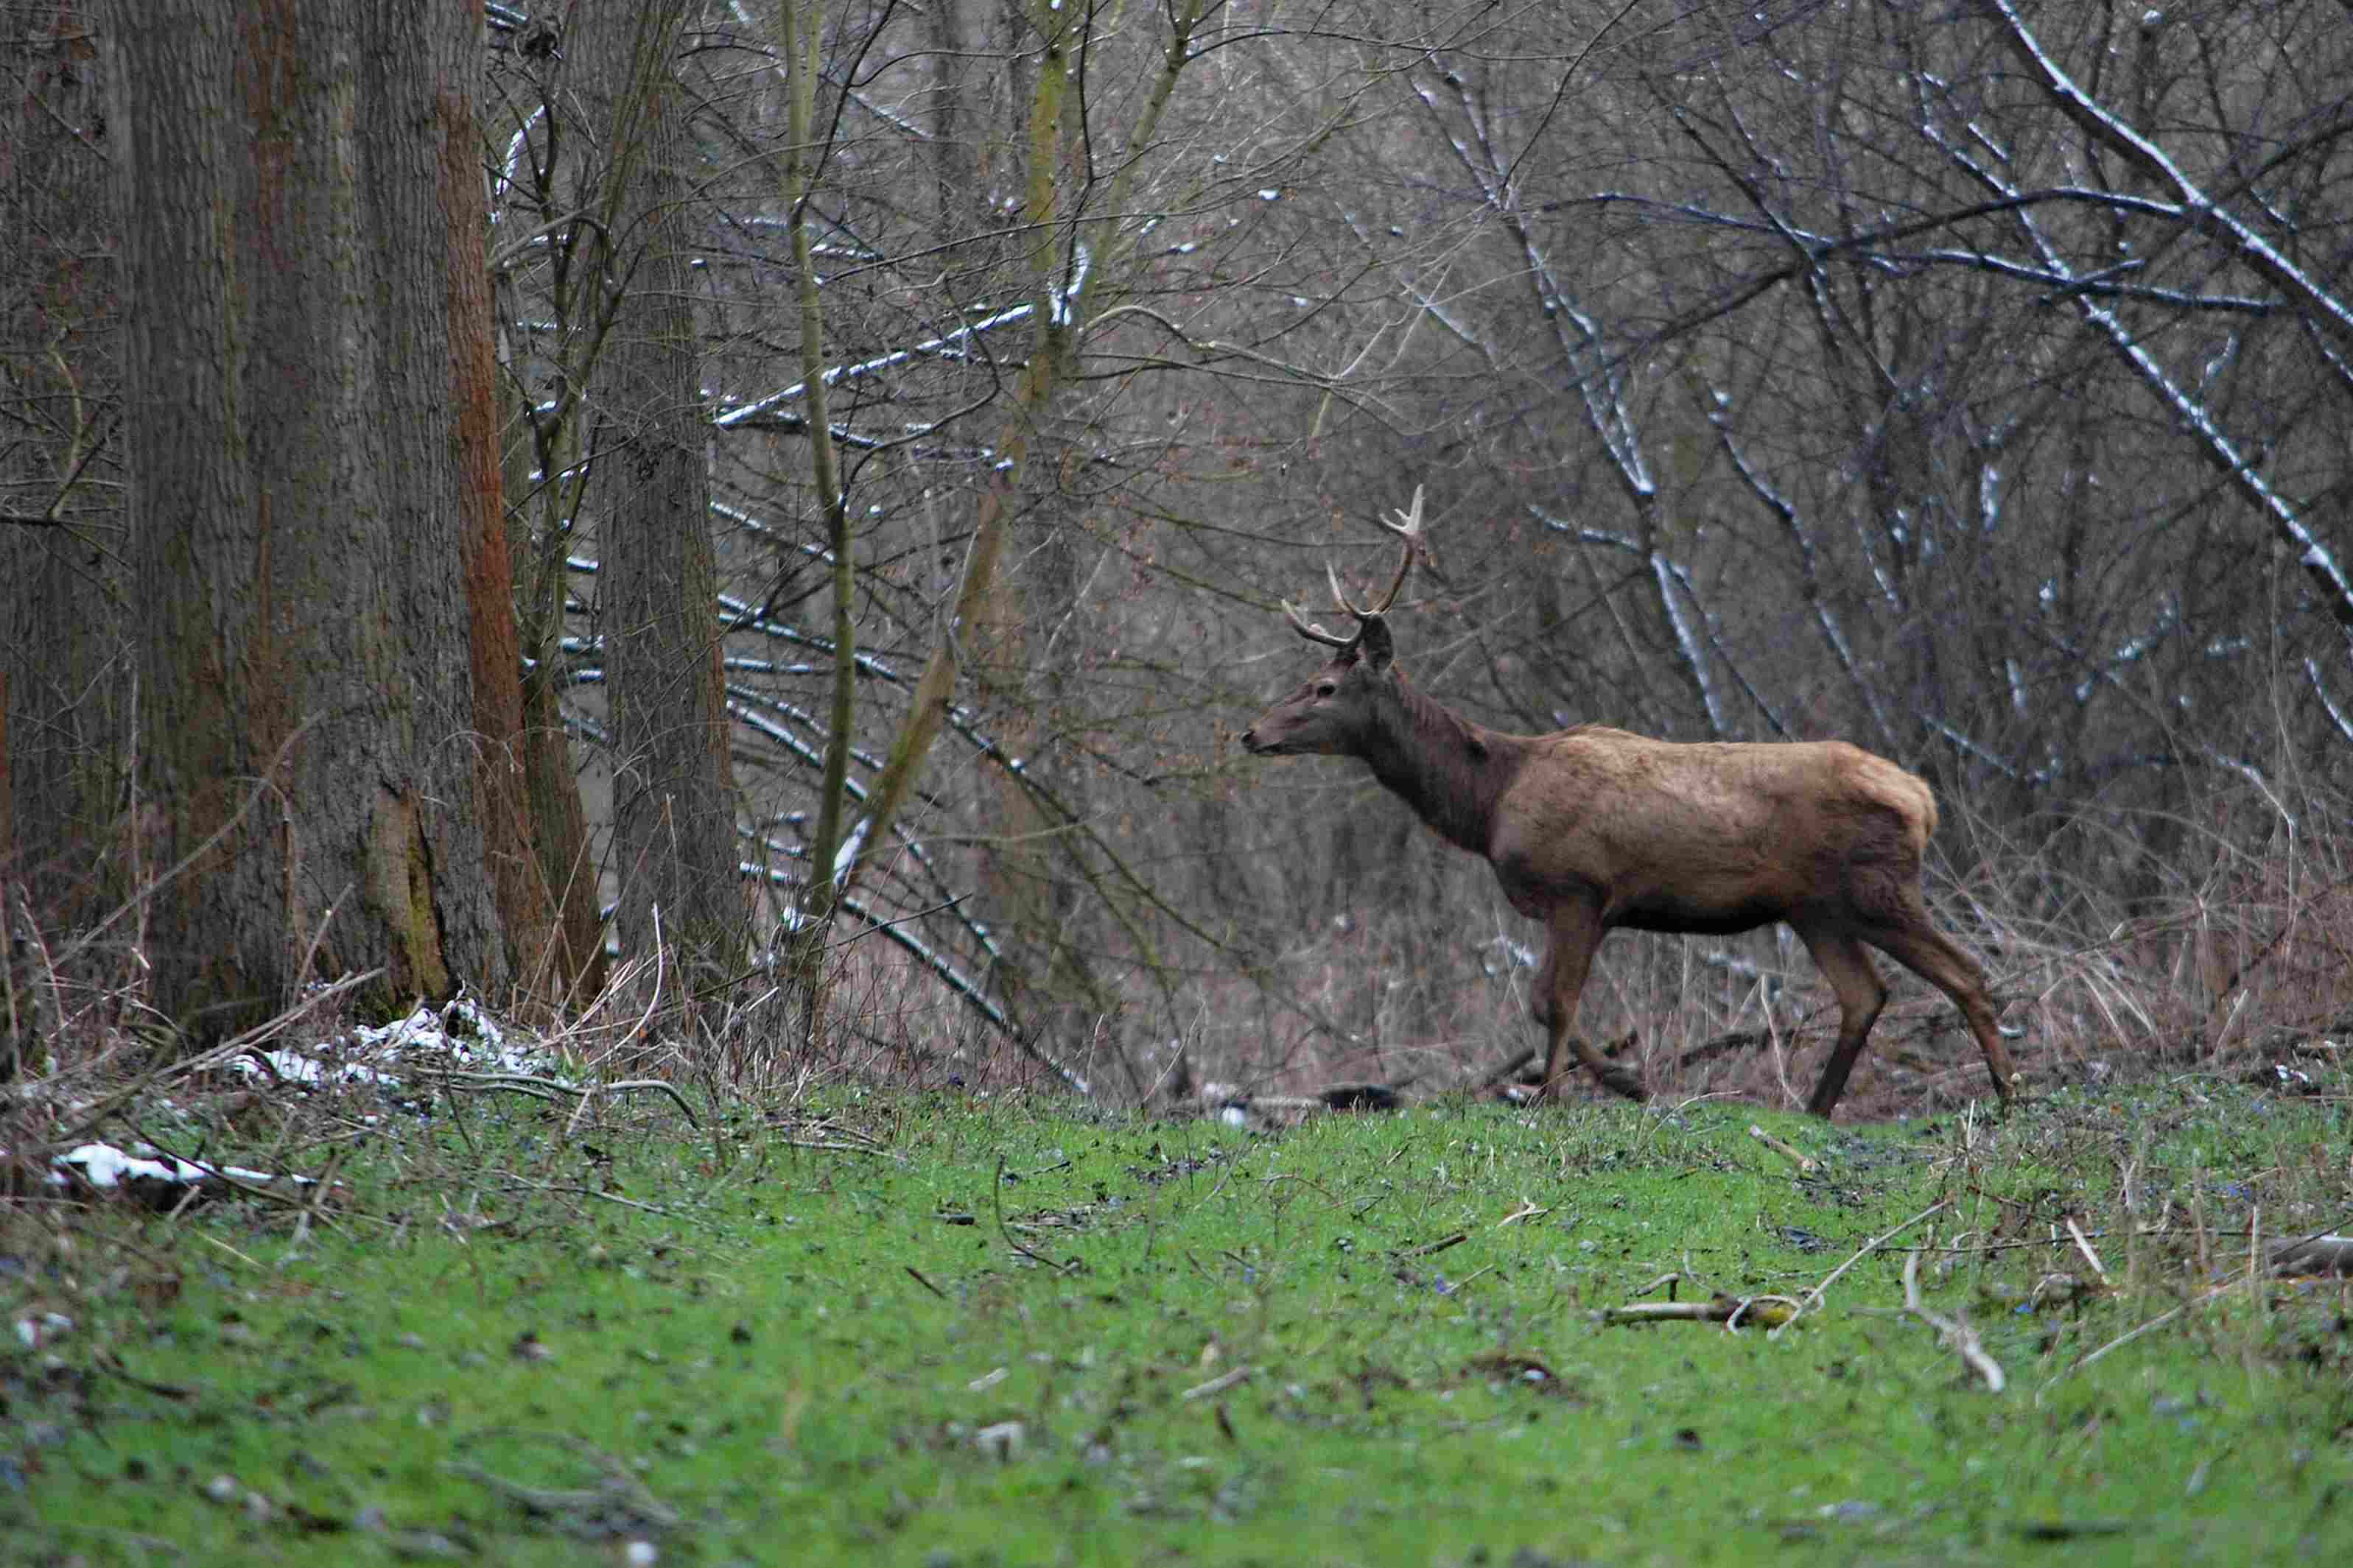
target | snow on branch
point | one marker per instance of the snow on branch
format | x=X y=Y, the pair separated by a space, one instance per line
x=2312 y=553
x=1809 y=563
x=1687 y=642
x=2330 y=312
x=2336 y=715
x=947 y=346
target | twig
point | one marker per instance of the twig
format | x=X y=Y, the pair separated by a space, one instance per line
x=638 y=1033
x=2287 y=1249
x=620 y=1500
x=2088 y=1357
x=145 y=895
x=996 y=1208
x=111 y=1365
x=1219 y=1384
x=1954 y=1331
x=1457 y=1239
x=1503 y=1070
x=1812 y=1297
x=573 y=1189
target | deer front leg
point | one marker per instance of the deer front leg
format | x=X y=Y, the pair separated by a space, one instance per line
x=1573 y=931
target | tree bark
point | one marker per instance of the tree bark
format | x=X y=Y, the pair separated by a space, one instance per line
x=65 y=701
x=305 y=701
x=434 y=292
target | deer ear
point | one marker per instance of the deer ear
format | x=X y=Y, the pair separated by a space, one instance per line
x=1374 y=645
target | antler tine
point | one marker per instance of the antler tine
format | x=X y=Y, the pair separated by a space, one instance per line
x=1408 y=521
x=1314 y=633
x=1407 y=527
x=1340 y=594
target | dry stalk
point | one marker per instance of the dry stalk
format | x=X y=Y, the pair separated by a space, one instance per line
x=2088 y=1357
x=2083 y=1245
x=171 y=1072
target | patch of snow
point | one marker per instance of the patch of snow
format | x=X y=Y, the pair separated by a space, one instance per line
x=105 y=1167
x=373 y=1055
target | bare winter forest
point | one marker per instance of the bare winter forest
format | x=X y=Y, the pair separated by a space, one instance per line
x=798 y=498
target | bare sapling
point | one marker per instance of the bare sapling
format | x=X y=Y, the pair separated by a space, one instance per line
x=1590 y=828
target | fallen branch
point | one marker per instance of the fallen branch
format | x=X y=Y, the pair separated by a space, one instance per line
x=1220 y=1383
x=2314 y=1255
x=1503 y=1072
x=2088 y=1357
x=1734 y=1312
x=550 y=1088
x=2331 y=1243
x=1806 y=1164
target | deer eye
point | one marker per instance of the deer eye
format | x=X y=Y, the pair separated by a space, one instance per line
x=1326 y=688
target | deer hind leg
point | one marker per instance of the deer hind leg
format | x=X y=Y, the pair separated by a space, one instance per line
x=1573 y=932
x=1936 y=958
x=1860 y=994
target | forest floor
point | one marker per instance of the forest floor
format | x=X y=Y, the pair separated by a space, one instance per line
x=944 y=1330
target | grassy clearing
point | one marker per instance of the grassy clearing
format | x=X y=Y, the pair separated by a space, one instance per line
x=949 y=1334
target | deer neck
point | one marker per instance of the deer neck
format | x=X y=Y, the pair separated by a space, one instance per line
x=1451 y=772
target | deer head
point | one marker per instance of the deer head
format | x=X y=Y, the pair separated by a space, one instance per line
x=1333 y=712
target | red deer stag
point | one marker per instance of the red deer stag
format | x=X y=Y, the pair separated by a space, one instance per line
x=1592 y=828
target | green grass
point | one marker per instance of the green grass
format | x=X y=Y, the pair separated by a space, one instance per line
x=974 y=1343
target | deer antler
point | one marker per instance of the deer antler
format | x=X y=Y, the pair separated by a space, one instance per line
x=1408 y=527
x=1314 y=633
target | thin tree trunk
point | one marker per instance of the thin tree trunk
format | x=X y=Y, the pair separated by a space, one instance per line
x=536 y=542
x=673 y=792
x=798 y=23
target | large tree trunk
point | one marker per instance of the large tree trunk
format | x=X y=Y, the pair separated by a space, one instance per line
x=306 y=697
x=439 y=383
x=674 y=847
